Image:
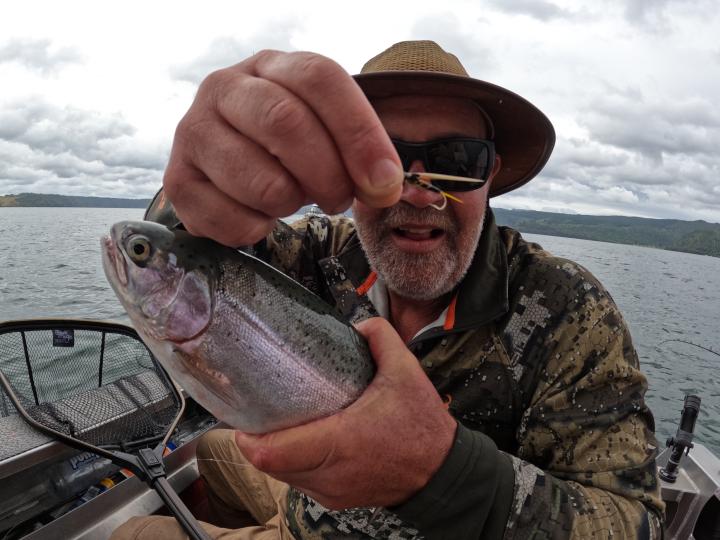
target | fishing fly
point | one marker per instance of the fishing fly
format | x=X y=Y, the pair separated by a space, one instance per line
x=424 y=180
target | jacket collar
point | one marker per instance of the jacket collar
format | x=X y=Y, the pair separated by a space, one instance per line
x=481 y=297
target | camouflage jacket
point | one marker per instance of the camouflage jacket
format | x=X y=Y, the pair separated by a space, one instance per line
x=554 y=439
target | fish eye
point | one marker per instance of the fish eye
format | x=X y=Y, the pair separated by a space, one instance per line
x=139 y=248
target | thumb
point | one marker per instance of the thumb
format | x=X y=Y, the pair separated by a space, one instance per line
x=288 y=450
x=385 y=343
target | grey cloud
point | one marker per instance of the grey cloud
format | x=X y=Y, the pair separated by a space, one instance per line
x=226 y=51
x=659 y=15
x=593 y=176
x=652 y=128
x=124 y=151
x=73 y=151
x=654 y=157
x=538 y=9
x=694 y=112
x=55 y=130
x=646 y=12
x=38 y=55
x=586 y=154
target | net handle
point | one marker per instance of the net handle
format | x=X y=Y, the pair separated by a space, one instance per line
x=184 y=517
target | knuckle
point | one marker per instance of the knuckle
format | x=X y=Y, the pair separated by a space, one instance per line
x=283 y=115
x=213 y=83
x=317 y=69
x=275 y=193
x=219 y=87
x=264 y=55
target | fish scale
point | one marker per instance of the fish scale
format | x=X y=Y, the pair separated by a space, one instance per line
x=270 y=355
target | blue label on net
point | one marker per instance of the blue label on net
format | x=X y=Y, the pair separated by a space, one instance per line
x=63 y=338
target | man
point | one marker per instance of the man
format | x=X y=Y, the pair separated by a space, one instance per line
x=508 y=400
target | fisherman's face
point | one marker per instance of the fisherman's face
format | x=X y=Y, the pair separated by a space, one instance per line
x=421 y=252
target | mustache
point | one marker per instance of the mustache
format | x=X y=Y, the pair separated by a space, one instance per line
x=403 y=213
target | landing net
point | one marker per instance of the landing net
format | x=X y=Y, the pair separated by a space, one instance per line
x=95 y=382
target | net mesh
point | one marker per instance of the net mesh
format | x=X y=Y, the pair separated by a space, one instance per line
x=99 y=384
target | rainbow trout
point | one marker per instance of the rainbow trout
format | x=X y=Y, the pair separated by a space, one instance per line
x=248 y=343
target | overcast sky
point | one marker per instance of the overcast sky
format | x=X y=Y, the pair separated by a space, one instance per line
x=91 y=92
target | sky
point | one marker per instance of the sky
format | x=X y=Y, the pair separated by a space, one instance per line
x=91 y=92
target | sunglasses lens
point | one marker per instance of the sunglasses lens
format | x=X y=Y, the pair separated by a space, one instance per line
x=449 y=185
x=467 y=158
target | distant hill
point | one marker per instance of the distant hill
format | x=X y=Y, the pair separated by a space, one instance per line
x=40 y=199
x=698 y=237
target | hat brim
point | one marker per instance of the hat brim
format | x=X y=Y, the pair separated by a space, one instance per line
x=524 y=136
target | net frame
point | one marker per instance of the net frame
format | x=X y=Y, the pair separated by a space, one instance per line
x=146 y=463
x=122 y=408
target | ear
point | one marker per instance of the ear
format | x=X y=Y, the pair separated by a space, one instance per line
x=495 y=169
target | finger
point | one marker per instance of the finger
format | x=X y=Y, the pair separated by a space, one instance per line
x=293 y=450
x=282 y=124
x=207 y=212
x=361 y=139
x=238 y=166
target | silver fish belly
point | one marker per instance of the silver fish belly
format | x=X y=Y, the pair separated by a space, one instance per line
x=270 y=355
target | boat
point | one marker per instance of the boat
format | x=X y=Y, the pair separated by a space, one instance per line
x=53 y=491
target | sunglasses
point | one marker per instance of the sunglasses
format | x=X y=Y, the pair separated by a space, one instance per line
x=453 y=164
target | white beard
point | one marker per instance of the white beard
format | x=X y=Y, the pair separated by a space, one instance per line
x=419 y=276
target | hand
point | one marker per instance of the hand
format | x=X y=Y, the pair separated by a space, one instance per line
x=270 y=134
x=379 y=451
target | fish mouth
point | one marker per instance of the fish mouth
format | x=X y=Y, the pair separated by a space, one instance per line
x=113 y=260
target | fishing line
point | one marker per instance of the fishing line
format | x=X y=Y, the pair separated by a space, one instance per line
x=225 y=461
x=690 y=343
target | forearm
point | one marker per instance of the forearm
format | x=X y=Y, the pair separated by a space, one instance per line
x=470 y=496
x=480 y=492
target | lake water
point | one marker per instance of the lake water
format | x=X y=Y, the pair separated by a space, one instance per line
x=50 y=267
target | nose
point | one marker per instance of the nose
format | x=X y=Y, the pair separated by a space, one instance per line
x=417 y=196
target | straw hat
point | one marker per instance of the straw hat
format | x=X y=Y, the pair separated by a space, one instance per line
x=524 y=137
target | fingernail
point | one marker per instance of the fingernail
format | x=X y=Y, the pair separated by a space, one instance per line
x=386 y=173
